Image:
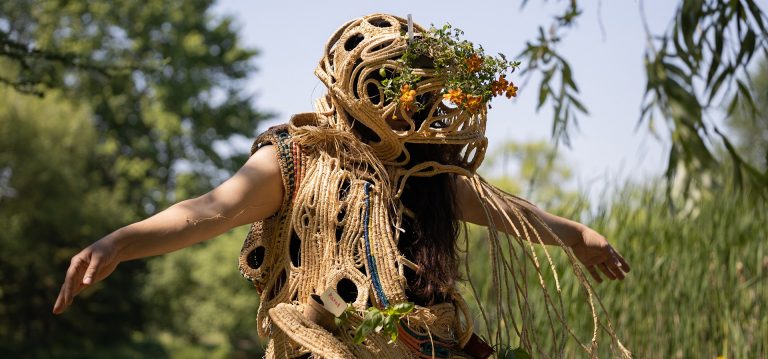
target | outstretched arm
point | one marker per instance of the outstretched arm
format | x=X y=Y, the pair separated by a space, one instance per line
x=589 y=246
x=255 y=192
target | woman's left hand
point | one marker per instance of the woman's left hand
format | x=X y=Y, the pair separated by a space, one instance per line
x=595 y=253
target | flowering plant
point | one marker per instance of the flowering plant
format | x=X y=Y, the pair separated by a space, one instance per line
x=471 y=78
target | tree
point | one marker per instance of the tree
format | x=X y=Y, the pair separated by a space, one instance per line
x=163 y=80
x=539 y=174
x=750 y=127
x=697 y=67
x=155 y=88
x=51 y=200
x=201 y=304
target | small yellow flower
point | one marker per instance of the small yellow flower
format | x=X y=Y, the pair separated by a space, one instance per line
x=455 y=95
x=511 y=90
x=407 y=96
x=474 y=63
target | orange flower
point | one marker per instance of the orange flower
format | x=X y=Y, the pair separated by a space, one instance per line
x=474 y=103
x=473 y=63
x=499 y=86
x=455 y=95
x=407 y=96
x=511 y=90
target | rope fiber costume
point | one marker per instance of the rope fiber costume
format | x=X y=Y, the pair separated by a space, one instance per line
x=344 y=169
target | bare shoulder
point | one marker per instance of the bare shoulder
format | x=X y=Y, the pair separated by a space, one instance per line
x=255 y=191
x=262 y=173
x=264 y=159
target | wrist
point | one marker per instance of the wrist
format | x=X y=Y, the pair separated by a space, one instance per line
x=118 y=242
x=579 y=235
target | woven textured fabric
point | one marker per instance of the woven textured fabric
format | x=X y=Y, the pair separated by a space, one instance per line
x=338 y=223
x=354 y=58
x=334 y=230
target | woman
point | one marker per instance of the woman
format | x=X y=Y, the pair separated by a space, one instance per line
x=362 y=199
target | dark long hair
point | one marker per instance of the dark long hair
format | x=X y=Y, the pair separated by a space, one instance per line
x=430 y=236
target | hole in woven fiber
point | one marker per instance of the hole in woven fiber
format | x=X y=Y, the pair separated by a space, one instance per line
x=305 y=220
x=382 y=45
x=379 y=22
x=295 y=297
x=362 y=270
x=401 y=157
x=303 y=356
x=256 y=257
x=277 y=286
x=358 y=257
x=373 y=93
x=353 y=41
x=463 y=126
x=470 y=154
x=344 y=190
x=367 y=135
x=339 y=233
x=347 y=290
x=330 y=62
x=340 y=216
x=438 y=124
x=294 y=249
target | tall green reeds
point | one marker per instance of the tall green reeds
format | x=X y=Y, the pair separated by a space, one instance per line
x=698 y=286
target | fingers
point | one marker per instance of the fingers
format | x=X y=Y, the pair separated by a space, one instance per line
x=614 y=267
x=624 y=264
x=91 y=271
x=594 y=274
x=78 y=278
x=607 y=271
x=71 y=284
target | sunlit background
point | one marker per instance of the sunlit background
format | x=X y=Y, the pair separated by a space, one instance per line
x=605 y=52
x=112 y=110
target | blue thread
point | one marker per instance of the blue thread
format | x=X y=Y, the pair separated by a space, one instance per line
x=369 y=257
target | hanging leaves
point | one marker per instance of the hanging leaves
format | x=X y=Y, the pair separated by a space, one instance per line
x=697 y=67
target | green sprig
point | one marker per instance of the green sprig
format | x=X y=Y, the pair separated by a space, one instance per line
x=382 y=321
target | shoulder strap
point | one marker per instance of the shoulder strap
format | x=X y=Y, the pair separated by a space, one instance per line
x=288 y=156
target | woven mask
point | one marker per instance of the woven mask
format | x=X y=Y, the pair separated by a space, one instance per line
x=361 y=54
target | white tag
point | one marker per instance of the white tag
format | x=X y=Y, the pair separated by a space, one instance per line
x=333 y=302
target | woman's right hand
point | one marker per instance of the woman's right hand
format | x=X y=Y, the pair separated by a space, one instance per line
x=91 y=265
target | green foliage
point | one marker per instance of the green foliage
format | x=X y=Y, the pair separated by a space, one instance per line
x=698 y=276
x=516 y=353
x=382 y=321
x=542 y=57
x=457 y=62
x=198 y=302
x=711 y=44
x=750 y=125
x=151 y=121
x=137 y=94
x=698 y=279
x=534 y=170
x=699 y=61
x=52 y=203
x=697 y=284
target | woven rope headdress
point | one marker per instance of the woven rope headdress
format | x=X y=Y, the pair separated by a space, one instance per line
x=362 y=54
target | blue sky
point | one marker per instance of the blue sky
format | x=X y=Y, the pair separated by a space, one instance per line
x=604 y=49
